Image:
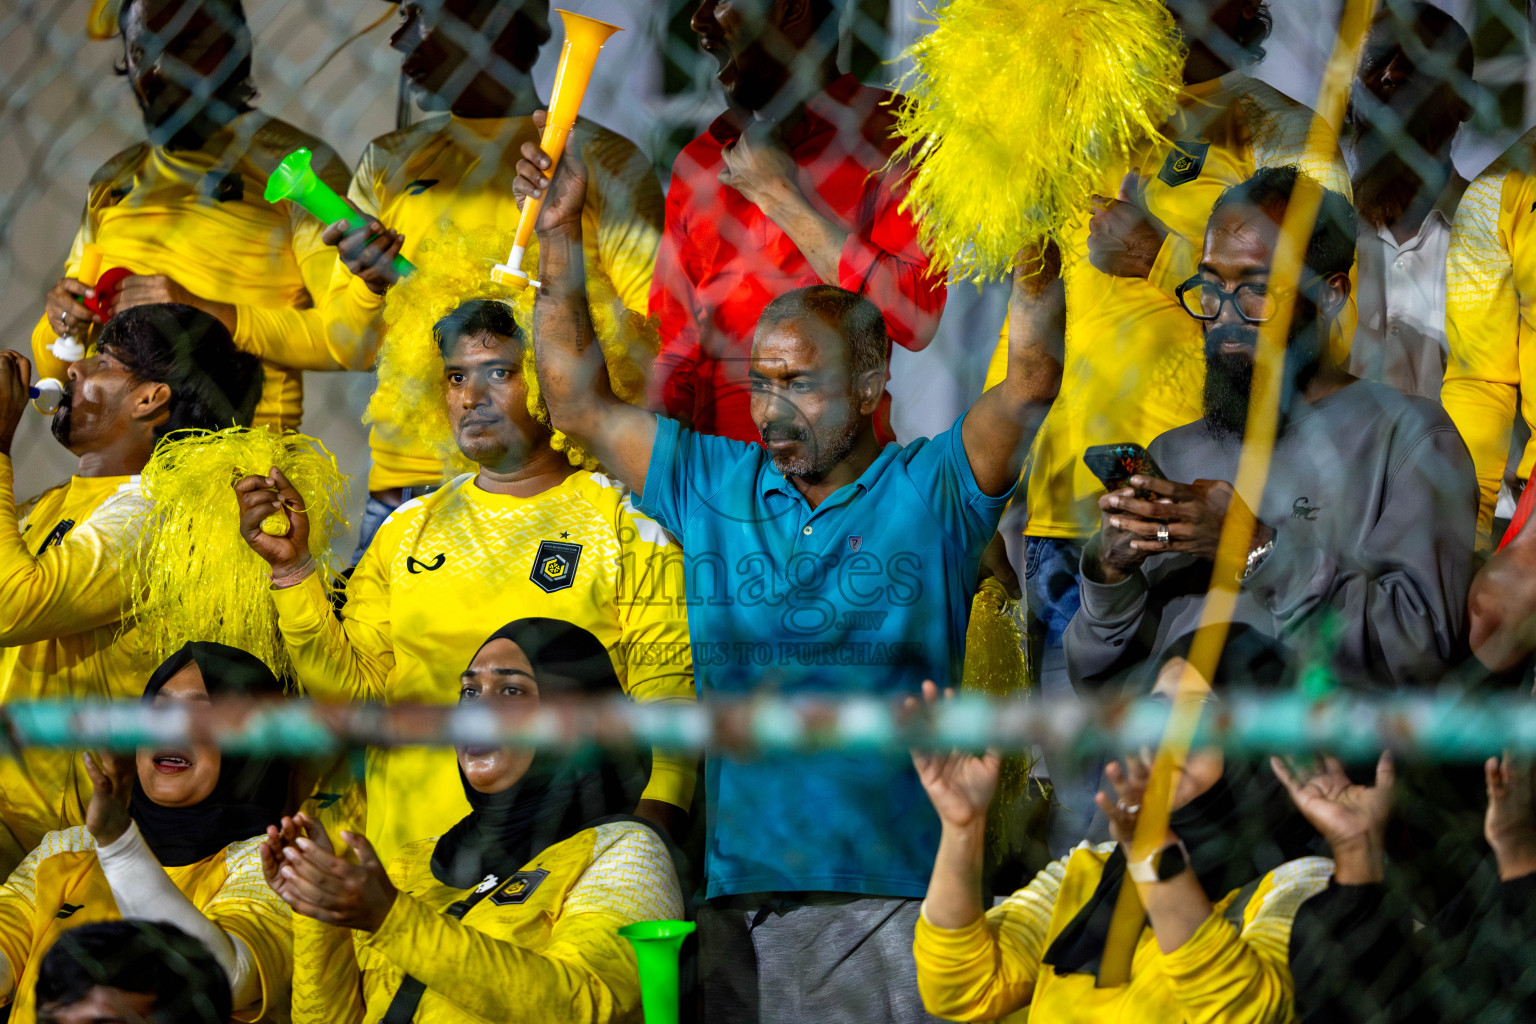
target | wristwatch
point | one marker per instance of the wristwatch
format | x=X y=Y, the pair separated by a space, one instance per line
x=1255 y=559
x=1169 y=862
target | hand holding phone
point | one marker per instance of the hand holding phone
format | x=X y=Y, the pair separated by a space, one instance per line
x=1114 y=464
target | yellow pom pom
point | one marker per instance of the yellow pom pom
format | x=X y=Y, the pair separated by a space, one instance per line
x=1015 y=109
x=409 y=404
x=194 y=576
x=275 y=525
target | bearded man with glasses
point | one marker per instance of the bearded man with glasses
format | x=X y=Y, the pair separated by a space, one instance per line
x=1362 y=550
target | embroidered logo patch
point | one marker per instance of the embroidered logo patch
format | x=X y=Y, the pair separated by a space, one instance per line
x=554 y=565
x=226 y=188
x=855 y=543
x=519 y=886
x=1301 y=510
x=1183 y=163
x=413 y=566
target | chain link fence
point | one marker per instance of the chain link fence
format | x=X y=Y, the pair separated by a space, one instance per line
x=328 y=69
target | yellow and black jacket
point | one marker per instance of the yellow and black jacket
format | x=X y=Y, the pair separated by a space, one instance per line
x=1490 y=309
x=1224 y=974
x=198 y=217
x=61 y=635
x=60 y=886
x=539 y=945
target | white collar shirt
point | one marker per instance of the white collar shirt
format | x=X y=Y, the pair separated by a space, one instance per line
x=1401 y=339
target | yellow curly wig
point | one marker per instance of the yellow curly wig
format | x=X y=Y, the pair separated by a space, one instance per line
x=194 y=577
x=409 y=403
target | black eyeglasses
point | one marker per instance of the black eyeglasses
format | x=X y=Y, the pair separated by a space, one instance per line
x=1254 y=302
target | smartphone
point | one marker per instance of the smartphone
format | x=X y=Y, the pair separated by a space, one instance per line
x=1114 y=464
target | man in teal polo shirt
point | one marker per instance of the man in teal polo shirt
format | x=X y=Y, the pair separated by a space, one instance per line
x=818 y=561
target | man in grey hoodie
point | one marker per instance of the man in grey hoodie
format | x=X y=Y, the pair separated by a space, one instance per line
x=1362 y=553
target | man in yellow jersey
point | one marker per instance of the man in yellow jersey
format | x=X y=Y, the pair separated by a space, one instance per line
x=1490 y=291
x=184 y=211
x=458 y=166
x=156 y=369
x=527 y=531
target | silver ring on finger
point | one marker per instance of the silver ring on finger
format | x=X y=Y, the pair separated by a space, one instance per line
x=1129 y=808
x=1162 y=534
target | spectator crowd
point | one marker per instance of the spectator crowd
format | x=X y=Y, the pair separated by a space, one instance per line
x=668 y=470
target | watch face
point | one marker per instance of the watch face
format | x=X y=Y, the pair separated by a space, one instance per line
x=1171 y=863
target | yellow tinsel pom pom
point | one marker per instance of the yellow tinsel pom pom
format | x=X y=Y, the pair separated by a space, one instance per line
x=194 y=577
x=409 y=403
x=1015 y=109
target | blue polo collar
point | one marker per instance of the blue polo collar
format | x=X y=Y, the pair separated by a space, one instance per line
x=771 y=481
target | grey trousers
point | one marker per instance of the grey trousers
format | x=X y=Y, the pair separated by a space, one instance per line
x=829 y=960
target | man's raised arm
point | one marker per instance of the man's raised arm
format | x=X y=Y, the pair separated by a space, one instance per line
x=1001 y=425
x=572 y=374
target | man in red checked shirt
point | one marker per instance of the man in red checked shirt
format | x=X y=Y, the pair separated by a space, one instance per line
x=787 y=188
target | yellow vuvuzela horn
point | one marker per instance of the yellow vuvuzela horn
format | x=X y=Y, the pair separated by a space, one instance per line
x=584 y=37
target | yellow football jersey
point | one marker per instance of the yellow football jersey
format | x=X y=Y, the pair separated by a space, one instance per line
x=61 y=599
x=1231 y=975
x=456 y=170
x=539 y=945
x=61 y=886
x=1490 y=294
x=447 y=570
x=1135 y=361
x=199 y=218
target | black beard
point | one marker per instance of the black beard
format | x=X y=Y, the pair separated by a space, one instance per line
x=1229 y=376
x=168 y=108
x=1385 y=190
x=59 y=425
x=1228 y=383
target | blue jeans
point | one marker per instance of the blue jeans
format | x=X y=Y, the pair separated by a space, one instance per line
x=1050 y=587
x=374 y=514
x=1052 y=597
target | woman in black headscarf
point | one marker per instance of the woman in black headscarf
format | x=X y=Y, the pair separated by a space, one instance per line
x=1212 y=942
x=512 y=915
x=172 y=834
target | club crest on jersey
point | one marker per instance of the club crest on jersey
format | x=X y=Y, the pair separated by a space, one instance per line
x=554 y=565
x=1183 y=163
x=519 y=886
x=855 y=542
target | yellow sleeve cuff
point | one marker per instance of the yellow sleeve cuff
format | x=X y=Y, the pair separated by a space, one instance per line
x=950 y=945
x=1174 y=265
x=673 y=777
x=302 y=609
